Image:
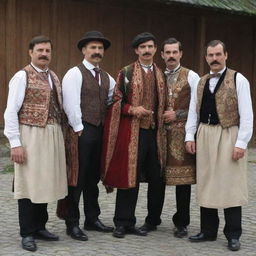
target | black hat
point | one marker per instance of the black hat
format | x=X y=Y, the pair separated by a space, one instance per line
x=142 y=38
x=93 y=36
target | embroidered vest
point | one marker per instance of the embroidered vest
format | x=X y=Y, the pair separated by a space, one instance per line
x=179 y=92
x=94 y=97
x=225 y=98
x=40 y=99
x=149 y=100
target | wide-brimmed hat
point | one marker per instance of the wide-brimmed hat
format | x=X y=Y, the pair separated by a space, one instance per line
x=142 y=38
x=93 y=36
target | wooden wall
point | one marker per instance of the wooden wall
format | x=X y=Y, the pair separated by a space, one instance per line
x=65 y=21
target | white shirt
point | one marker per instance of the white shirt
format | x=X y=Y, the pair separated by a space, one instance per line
x=71 y=89
x=17 y=88
x=244 y=110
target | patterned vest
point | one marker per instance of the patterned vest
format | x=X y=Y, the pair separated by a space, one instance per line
x=179 y=92
x=94 y=97
x=225 y=98
x=149 y=100
x=41 y=105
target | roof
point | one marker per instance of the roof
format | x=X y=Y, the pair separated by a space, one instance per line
x=244 y=7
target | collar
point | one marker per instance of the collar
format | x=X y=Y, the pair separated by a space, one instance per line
x=147 y=67
x=171 y=72
x=38 y=69
x=220 y=72
x=89 y=65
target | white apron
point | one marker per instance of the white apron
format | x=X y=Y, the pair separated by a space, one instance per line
x=42 y=178
x=221 y=181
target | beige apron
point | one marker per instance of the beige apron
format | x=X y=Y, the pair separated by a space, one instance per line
x=221 y=181
x=42 y=178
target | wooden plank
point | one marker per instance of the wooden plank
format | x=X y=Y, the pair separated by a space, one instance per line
x=61 y=51
x=114 y=31
x=3 y=56
x=253 y=87
x=199 y=53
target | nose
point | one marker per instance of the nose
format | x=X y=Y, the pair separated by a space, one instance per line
x=147 y=49
x=97 y=50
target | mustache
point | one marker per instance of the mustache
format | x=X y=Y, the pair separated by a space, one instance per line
x=43 y=58
x=97 y=55
x=214 y=62
x=171 y=58
x=146 y=54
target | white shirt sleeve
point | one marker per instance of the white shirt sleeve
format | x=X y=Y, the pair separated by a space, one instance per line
x=192 y=121
x=71 y=89
x=245 y=111
x=112 y=84
x=17 y=88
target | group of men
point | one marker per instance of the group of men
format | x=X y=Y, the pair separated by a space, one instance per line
x=145 y=126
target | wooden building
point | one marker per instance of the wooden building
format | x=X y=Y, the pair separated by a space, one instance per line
x=193 y=22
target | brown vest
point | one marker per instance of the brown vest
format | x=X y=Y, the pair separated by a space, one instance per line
x=179 y=92
x=94 y=97
x=226 y=99
x=180 y=168
x=41 y=104
x=149 y=100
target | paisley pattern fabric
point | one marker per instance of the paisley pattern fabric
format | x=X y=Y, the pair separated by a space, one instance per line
x=180 y=167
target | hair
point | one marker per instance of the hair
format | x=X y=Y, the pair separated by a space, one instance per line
x=214 y=43
x=171 y=40
x=38 y=40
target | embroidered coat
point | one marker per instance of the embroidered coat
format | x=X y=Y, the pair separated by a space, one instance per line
x=181 y=166
x=121 y=130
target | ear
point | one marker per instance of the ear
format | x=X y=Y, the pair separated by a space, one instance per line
x=30 y=52
x=162 y=55
x=226 y=55
x=181 y=54
x=83 y=50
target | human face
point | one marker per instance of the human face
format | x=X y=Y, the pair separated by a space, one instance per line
x=41 y=55
x=171 y=55
x=216 y=58
x=93 y=52
x=146 y=52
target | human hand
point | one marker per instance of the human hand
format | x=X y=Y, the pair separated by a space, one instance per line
x=18 y=155
x=109 y=189
x=169 y=116
x=79 y=133
x=190 y=147
x=238 y=153
x=140 y=111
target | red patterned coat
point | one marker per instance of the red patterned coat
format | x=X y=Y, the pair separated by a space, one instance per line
x=121 y=130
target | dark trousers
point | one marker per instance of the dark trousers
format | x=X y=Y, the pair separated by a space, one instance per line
x=126 y=199
x=89 y=144
x=233 y=222
x=182 y=216
x=32 y=217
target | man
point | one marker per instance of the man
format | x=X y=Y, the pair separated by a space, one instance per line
x=87 y=91
x=32 y=125
x=180 y=170
x=222 y=104
x=134 y=143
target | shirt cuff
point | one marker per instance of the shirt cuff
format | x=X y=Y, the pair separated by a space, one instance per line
x=189 y=137
x=78 y=128
x=15 y=142
x=241 y=144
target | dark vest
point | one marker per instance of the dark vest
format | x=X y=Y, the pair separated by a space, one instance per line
x=94 y=97
x=220 y=106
